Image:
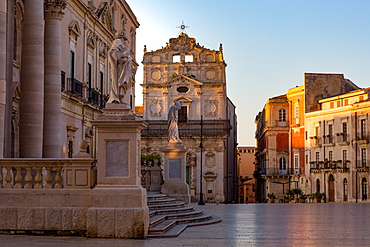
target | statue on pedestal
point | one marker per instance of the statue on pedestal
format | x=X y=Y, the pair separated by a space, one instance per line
x=123 y=68
x=173 y=130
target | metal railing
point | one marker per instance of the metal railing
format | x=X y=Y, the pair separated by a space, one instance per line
x=190 y=128
x=277 y=171
x=329 y=164
x=74 y=86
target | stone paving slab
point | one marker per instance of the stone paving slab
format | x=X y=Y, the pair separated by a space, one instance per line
x=324 y=224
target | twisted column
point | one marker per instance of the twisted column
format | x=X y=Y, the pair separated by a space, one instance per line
x=32 y=80
x=52 y=147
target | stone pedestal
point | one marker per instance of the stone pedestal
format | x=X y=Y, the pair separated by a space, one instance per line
x=118 y=203
x=175 y=172
x=155 y=178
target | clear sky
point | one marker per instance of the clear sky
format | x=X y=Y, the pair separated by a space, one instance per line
x=268 y=45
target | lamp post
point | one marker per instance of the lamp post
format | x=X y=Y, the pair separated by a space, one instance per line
x=201 y=201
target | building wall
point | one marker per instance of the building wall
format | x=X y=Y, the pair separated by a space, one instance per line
x=246 y=168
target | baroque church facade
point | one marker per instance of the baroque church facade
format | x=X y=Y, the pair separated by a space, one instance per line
x=187 y=72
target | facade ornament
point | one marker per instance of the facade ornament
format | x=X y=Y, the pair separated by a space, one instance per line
x=54 y=8
x=123 y=68
x=173 y=130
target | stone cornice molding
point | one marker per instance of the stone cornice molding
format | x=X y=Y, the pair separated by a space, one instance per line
x=54 y=8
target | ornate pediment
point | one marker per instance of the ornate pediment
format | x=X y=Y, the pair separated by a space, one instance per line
x=183 y=79
x=74 y=29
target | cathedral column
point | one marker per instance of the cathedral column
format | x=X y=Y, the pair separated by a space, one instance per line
x=32 y=80
x=52 y=88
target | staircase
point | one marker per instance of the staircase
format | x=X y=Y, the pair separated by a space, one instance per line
x=169 y=217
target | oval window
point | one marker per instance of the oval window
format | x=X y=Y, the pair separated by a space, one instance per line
x=182 y=89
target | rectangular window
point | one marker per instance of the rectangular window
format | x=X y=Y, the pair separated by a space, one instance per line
x=282 y=115
x=306 y=159
x=362 y=129
x=330 y=130
x=338 y=103
x=330 y=155
x=317 y=156
x=317 y=131
x=296 y=163
x=344 y=156
x=363 y=157
x=344 y=131
x=102 y=102
x=72 y=64
x=183 y=114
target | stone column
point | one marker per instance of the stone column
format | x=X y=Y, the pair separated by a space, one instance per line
x=3 y=50
x=32 y=80
x=52 y=95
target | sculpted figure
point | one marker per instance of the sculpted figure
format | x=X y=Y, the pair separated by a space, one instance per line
x=173 y=130
x=123 y=68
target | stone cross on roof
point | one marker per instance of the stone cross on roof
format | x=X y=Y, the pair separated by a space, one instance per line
x=182 y=27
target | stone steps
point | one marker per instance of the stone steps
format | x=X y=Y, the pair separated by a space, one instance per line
x=169 y=217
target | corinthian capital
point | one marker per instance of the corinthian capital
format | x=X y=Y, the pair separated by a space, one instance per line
x=54 y=8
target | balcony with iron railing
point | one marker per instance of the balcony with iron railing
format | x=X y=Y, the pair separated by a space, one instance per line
x=328 y=140
x=276 y=171
x=94 y=96
x=74 y=86
x=318 y=166
x=315 y=141
x=342 y=139
x=363 y=165
x=190 y=128
x=362 y=138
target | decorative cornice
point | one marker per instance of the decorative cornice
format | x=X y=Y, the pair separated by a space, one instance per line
x=54 y=8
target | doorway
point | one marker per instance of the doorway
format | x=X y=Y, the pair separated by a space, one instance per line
x=331 y=188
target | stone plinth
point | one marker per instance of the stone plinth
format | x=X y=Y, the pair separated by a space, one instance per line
x=175 y=172
x=119 y=203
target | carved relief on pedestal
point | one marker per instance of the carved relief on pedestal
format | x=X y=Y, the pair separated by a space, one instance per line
x=210 y=160
x=155 y=107
x=210 y=108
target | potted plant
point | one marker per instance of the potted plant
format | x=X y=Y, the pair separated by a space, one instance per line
x=272 y=197
x=318 y=195
x=296 y=192
x=287 y=198
x=302 y=198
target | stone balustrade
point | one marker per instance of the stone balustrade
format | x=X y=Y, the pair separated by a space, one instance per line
x=23 y=173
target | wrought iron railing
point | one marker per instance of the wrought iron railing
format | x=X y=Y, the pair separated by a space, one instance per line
x=191 y=128
x=278 y=171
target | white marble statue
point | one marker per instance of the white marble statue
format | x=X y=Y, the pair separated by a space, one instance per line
x=173 y=130
x=122 y=67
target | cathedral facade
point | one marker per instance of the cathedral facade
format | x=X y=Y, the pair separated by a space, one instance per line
x=187 y=72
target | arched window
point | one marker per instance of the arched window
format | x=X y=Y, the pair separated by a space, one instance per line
x=282 y=115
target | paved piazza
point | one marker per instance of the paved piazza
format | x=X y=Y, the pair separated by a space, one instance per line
x=247 y=225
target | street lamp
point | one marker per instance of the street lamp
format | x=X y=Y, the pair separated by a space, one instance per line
x=201 y=201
